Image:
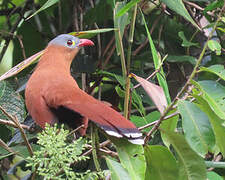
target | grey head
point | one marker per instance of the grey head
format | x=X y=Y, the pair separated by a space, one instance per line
x=66 y=40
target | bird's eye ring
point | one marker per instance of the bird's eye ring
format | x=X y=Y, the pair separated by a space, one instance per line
x=69 y=42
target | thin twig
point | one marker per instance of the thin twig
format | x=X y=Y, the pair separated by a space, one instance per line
x=29 y=148
x=108 y=45
x=109 y=56
x=75 y=130
x=108 y=152
x=198 y=7
x=16 y=122
x=6 y=147
x=154 y=122
x=151 y=75
x=12 y=124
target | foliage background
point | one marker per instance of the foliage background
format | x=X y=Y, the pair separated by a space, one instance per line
x=184 y=51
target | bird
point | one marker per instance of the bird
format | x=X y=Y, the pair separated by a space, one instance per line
x=52 y=95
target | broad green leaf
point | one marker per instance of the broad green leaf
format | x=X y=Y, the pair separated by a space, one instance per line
x=7 y=60
x=117 y=170
x=214 y=46
x=216 y=122
x=170 y=125
x=157 y=63
x=137 y=101
x=48 y=4
x=11 y=101
x=213 y=176
x=214 y=94
x=191 y=165
x=132 y=158
x=126 y=8
x=185 y=42
x=179 y=8
x=217 y=69
x=141 y=121
x=90 y=33
x=197 y=128
x=161 y=164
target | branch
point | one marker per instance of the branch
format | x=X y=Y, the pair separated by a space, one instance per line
x=12 y=124
x=17 y=123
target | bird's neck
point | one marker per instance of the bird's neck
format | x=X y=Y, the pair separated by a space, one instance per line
x=56 y=57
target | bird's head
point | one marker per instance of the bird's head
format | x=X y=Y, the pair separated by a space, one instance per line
x=69 y=44
x=69 y=41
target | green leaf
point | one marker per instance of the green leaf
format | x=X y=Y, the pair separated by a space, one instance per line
x=185 y=42
x=213 y=176
x=214 y=94
x=216 y=122
x=215 y=69
x=222 y=29
x=214 y=46
x=11 y=101
x=57 y=153
x=191 y=165
x=213 y=5
x=141 y=121
x=126 y=8
x=120 y=24
x=197 y=128
x=48 y=4
x=179 y=8
x=5 y=155
x=161 y=163
x=117 y=170
x=170 y=125
x=132 y=158
x=7 y=60
x=19 y=67
x=90 y=33
x=157 y=63
x=23 y=151
x=136 y=99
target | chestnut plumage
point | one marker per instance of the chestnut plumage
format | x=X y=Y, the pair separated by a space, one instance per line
x=52 y=94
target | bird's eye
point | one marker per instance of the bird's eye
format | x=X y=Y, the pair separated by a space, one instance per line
x=69 y=42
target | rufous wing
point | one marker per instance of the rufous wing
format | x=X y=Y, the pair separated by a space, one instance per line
x=111 y=121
